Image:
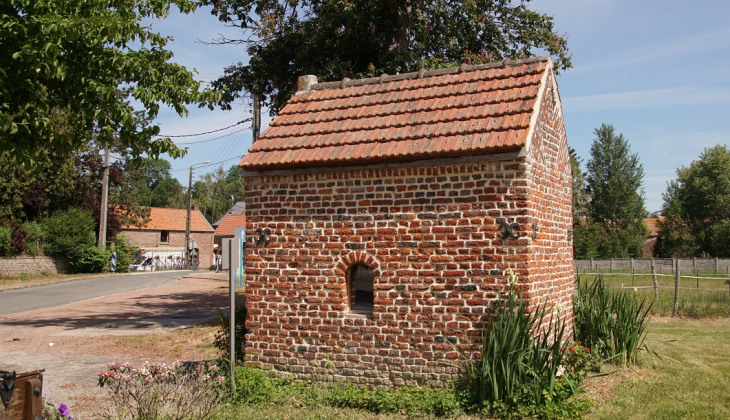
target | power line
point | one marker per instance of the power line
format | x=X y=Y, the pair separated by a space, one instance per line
x=207 y=132
x=214 y=138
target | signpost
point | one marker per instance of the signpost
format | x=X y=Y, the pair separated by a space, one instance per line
x=234 y=261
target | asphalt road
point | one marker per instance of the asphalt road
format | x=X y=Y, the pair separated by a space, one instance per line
x=41 y=297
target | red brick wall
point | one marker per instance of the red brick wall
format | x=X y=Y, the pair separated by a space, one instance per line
x=430 y=234
x=550 y=183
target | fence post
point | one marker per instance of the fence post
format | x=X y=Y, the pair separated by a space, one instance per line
x=631 y=264
x=694 y=263
x=675 y=310
x=610 y=264
x=656 y=281
x=697 y=273
x=715 y=265
x=633 y=275
x=591 y=263
x=674 y=263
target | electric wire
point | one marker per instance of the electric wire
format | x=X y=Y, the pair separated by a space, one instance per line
x=206 y=132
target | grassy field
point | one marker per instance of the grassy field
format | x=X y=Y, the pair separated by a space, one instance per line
x=703 y=294
x=691 y=379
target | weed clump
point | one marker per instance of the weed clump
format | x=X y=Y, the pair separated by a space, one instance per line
x=612 y=323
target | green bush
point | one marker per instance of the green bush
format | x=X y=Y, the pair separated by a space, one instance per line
x=517 y=373
x=612 y=323
x=6 y=241
x=34 y=240
x=125 y=253
x=89 y=259
x=67 y=232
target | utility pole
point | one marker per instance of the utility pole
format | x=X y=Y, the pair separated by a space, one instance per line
x=101 y=244
x=187 y=221
x=256 y=118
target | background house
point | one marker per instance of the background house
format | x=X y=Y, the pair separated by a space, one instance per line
x=384 y=216
x=164 y=235
x=226 y=226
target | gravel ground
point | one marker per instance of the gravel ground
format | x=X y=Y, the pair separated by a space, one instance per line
x=74 y=342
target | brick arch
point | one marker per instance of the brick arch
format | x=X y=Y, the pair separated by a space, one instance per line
x=357 y=257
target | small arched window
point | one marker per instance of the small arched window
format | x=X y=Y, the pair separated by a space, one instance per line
x=360 y=285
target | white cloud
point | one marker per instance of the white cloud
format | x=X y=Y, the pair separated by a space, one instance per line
x=649 y=98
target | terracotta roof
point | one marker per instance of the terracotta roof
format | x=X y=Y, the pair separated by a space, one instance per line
x=653 y=225
x=229 y=224
x=238 y=208
x=467 y=110
x=174 y=219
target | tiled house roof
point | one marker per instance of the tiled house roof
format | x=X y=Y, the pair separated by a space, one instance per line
x=229 y=223
x=653 y=225
x=238 y=208
x=174 y=219
x=461 y=111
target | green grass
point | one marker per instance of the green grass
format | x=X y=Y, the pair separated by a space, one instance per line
x=692 y=379
x=697 y=299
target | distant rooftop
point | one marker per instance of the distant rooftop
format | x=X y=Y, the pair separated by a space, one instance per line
x=174 y=219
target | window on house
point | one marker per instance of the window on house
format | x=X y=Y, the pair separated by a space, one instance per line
x=361 y=289
x=164 y=236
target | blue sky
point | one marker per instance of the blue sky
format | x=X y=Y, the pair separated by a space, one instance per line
x=659 y=71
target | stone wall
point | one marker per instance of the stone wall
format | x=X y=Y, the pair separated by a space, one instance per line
x=14 y=266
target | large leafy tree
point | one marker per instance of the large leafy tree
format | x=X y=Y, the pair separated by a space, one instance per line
x=147 y=182
x=77 y=56
x=697 y=208
x=334 y=39
x=614 y=182
x=580 y=193
x=215 y=192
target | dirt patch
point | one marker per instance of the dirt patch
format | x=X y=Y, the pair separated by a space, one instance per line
x=74 y=342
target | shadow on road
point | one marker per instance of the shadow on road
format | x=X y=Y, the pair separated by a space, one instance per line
x=173 y=310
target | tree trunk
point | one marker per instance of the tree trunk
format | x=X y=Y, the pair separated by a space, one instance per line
x=398 y=13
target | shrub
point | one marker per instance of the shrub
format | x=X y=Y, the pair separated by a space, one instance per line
x=68 y=231
x=34 y=240
x=6 y=243
x=517 y=373
x=612 y=323
x=222 y=338
x=161 y=391
x=125 y=253
x=89 y=259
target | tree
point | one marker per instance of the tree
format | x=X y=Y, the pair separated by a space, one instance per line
x=580 y=193
x=334 y=39
x=217 y=191
x=78 y=56
x=614 y=182
x=147 y=182
x=697 y=208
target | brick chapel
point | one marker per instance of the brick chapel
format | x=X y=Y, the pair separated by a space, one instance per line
x=384 y=215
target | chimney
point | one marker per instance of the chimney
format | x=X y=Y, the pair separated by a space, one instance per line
x=194 y=207
x=305 y=83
